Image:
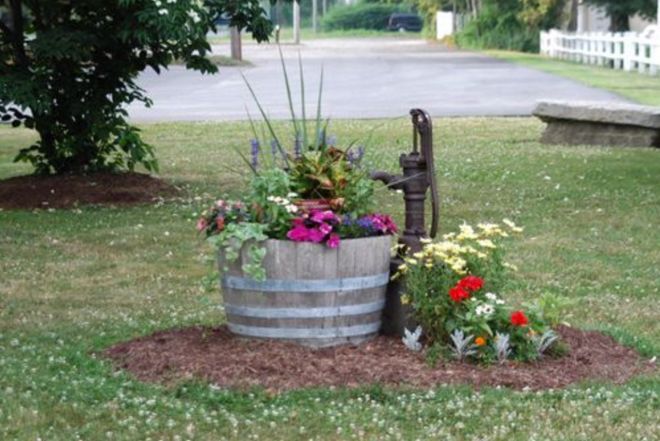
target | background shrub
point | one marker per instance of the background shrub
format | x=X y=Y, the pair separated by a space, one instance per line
x=360 y=16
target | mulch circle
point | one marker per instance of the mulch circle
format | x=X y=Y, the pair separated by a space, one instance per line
x=217 y=356
x=66 y=191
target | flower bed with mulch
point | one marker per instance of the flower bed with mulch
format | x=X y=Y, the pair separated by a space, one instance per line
x=219 y=357
x=66 y=191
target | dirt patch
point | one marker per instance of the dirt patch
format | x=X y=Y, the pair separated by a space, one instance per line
x=217 y=356
x=66 y=191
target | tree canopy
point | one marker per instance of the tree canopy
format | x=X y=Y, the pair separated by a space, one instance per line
x=619 y=11
x=68 y=69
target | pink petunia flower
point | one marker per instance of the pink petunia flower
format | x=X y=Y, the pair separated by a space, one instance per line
x=333 y=241
x=298 y=233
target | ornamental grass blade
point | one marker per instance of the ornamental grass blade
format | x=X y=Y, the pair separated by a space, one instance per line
x=245 y=159
x=317 y=130
x=265 y=117
x=302 y=100
x=294 y=121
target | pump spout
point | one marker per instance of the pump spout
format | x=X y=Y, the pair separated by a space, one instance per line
x=395 y=182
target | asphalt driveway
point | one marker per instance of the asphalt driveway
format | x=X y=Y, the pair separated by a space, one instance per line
x=364 y=78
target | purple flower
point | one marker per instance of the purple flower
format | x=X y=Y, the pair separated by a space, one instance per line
x=254 y=151
x=273 y=148
x=354 y=157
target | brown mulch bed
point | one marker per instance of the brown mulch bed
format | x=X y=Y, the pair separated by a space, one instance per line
x=225 y=360
x=66 y=191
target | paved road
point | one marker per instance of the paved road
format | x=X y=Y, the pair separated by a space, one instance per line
x=364 y=78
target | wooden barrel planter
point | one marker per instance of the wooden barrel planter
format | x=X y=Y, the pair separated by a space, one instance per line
x=313 y=295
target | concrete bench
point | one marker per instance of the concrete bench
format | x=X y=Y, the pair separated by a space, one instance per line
x=595 y=123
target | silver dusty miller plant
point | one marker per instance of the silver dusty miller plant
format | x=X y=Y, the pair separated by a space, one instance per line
x=543 y=342
x=462 y=346
x=411 y=339
x=502 y=346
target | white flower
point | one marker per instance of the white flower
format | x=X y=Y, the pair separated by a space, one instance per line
x=163 y=11
x=484 y=310
x=491 y=296
x=292 y=195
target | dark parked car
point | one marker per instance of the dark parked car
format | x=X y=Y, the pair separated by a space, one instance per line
x=403 y=21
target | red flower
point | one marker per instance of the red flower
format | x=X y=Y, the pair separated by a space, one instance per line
x=471 y=283
x=458 y=294
x=518 y=318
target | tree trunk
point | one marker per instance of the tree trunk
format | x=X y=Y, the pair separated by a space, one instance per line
x=236 y=47
x=619 y=22
x=573 y=18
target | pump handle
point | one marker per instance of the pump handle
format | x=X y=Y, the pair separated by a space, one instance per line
x=423 y=127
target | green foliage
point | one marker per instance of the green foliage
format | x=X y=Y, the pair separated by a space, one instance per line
x=315 y=169
x=328 y=174
x=510 y=24
x=69 y=72
x=360 y=16
x=270 y=191
x=242 y=236
x=553 y=308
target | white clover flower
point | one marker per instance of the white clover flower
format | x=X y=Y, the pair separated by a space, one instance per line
x=292 y=195
x=491 y=296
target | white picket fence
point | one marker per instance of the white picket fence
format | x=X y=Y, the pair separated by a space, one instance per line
x=627 y=50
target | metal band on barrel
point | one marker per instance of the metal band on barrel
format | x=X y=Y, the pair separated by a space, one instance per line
x=343 y=331
x=329 y=311
x=312 y=285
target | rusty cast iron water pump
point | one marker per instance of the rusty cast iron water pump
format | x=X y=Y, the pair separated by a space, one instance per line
x=417 y=178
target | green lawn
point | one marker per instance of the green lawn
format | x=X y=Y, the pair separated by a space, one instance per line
x=644 y=89
x=76 y=281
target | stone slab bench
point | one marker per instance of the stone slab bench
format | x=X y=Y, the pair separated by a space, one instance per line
x=599 y=123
